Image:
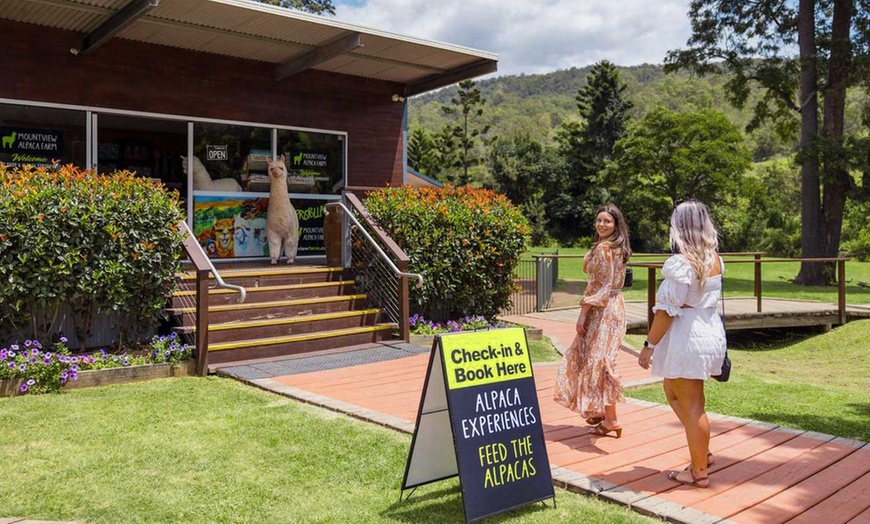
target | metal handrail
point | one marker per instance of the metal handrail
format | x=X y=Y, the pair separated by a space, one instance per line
x=374 y=244
x=217 y=277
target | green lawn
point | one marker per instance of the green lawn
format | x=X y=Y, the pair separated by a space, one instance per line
x=815 y=382
x=739 y=278
x=210 y=450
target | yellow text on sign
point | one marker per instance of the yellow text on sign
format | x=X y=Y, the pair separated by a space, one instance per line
x=485 y=357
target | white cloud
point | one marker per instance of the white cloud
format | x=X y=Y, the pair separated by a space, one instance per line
x=536 y=36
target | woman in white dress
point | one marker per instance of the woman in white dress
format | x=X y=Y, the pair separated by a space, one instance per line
x=686 y=342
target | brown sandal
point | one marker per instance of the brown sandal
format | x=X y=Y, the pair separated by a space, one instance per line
x=604 y=431
x=594 y=421
x=696 y=482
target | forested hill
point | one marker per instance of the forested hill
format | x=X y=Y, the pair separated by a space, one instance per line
x=538 y=104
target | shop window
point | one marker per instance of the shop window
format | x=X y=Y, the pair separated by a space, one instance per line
x=41 y=135
x=225 y=154
x=149 y=147
x=315 y=161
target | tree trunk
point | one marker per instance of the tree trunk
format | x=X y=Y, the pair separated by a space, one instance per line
x=836 y=181
x=811 y=238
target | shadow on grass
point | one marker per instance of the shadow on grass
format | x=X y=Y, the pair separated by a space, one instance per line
x=855 y=427
x=770 y=338
x=446 y=505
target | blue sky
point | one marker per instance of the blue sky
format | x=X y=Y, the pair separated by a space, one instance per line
x=535 y=36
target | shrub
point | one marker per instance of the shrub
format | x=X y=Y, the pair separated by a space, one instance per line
x=465 y=242
x=97 y=243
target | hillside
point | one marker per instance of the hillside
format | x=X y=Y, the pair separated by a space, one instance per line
x=538 y=104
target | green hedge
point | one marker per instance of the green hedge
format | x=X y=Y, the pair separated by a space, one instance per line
x=96 y=243
x=465 y=242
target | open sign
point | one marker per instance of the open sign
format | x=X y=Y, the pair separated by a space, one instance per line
x=216 y=153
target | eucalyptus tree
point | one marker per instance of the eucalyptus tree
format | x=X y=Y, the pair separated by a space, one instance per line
x=797 y=52
x=318 y=7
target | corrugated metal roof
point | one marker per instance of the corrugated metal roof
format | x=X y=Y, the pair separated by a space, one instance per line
x=254 y=31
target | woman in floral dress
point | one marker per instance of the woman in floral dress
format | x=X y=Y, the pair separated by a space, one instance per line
x=587 y=381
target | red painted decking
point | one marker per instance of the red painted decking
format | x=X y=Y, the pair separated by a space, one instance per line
x=762 y=473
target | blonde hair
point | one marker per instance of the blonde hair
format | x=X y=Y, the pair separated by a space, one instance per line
x=694 y=236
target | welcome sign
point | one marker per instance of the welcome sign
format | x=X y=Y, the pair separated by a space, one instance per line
x=479 y=418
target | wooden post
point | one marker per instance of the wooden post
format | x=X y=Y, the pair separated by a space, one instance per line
x=404 y=303
x=841 y=290
x=202 y=321
x=650 y=296
x=758 y=282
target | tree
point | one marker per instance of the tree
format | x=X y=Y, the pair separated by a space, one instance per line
x=423 y=154
x=318 y=7
x=468 y=106
x=669 y=156
x=521 y=168
x=586 y=146
x=756 y=42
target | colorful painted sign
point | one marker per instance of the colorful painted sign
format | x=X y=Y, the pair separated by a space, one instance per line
x=234 y=226
x=19 y=146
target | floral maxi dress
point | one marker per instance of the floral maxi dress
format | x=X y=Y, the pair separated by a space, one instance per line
x=587 y=379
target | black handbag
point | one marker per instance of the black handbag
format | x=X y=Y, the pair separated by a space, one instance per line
x=725 y=374
x=629 y=277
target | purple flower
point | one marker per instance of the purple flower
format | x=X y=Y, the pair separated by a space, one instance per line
x=3 y=354
x=34 y=352
x=14 y=347
x=31 y=382
x=64 y=374
x=63 y=340
x=27 y=343
x=23 y=388
x=22 y=367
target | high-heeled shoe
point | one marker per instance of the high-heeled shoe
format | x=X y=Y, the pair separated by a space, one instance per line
x=603 y=431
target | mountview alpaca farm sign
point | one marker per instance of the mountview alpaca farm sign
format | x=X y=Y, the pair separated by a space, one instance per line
x=479 y=418
x=19 y=146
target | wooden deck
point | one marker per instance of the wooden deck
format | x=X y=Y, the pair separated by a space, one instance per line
x=740 y=313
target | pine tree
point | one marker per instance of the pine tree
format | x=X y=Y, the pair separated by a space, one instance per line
x=423 y=154
x=467 y=105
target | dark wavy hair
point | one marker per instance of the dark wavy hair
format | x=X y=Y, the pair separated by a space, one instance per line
x=620 y=238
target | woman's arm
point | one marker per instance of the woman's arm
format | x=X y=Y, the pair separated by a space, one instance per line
x=661 y=324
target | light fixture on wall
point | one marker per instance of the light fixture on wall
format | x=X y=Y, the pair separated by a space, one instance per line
x=397 y=98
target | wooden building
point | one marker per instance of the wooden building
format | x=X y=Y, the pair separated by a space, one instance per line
x=141 y=84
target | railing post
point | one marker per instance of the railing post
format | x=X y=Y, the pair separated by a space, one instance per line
x=841 y=290
x=758 y=282
x=650 y=296
x=539 y=282
x=202 y=322
x=555 y=268
x=404 y=303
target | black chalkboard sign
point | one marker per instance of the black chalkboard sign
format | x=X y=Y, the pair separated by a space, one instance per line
x=479 y=418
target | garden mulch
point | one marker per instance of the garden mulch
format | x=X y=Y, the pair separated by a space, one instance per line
x=762 y=473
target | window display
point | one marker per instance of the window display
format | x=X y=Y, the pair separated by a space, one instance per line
x=40 y=136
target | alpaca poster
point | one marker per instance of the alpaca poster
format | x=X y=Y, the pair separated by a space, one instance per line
x=235 y=227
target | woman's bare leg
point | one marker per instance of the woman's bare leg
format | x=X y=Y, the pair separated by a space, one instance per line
x=689 y=393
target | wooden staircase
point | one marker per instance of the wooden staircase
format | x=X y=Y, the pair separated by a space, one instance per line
x=289 y=310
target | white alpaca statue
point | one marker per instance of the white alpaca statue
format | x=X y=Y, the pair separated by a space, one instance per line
x=282 y=223
x=202 y=180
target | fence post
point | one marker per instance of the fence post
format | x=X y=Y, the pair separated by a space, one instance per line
x=404 y=302
x=650 y=296
x=841 y=290
x=758 y=282
x=555 y=269
x=202 y=322
x=539 y=280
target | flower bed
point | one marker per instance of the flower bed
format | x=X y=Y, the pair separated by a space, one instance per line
x=30 y=368
x=423 y=331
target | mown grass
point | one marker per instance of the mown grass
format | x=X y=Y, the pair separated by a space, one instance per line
x=210 y=450
x=739 y=278
x=795 y=378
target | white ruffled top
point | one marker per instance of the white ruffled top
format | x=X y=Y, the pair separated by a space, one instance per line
x=682 y=287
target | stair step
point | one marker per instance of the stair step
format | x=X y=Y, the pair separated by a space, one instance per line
x=266 y=293
x=274 y=327
x=274 y=309
x=294 y=344
x=266 y=276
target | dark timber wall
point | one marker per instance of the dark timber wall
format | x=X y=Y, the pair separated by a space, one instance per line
x=38 y=66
